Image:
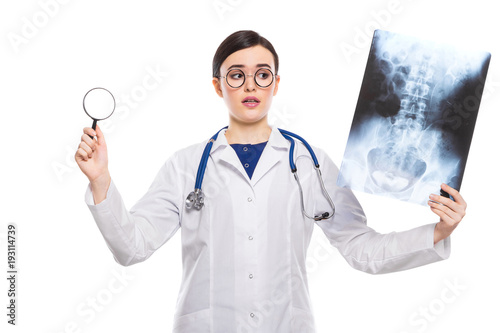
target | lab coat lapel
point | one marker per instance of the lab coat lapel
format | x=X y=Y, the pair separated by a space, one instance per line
x=272 y=154
x=223 y=152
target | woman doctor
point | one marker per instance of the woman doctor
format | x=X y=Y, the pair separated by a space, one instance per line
x=244 y=252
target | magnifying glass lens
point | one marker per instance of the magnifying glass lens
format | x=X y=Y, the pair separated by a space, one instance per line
x=99 y=103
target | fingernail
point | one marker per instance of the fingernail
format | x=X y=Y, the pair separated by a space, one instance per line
x=433 y=196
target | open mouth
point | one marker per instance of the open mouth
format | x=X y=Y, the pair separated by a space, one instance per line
x=251 y=101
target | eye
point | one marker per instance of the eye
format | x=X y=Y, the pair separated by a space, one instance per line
x=263 y=75
x=236 y=76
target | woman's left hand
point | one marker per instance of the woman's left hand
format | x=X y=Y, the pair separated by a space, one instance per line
x=450 y=212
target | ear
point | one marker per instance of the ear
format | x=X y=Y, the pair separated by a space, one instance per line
x=277 y=79
x=217 y=86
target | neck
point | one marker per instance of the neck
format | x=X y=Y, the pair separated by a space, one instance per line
x=248 y=133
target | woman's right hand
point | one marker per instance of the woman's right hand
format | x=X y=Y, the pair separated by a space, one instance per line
x=92 y=158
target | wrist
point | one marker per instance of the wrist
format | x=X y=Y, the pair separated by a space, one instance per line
x=100 y=186
x=437 y=234
x=101 y=180
x=441 y=232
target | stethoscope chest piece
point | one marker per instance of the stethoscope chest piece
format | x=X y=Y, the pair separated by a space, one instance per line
x=195 y=199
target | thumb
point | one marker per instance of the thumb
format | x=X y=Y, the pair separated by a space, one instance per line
x=100 y=136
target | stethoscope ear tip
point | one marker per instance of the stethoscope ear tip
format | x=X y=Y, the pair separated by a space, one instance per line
x=323 y=216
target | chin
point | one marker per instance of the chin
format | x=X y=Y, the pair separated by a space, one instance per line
x=249 y=116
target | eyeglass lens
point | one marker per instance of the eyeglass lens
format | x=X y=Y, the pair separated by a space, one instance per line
x=263 y=78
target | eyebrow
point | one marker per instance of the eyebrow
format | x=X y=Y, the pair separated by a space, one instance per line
x=243 y=66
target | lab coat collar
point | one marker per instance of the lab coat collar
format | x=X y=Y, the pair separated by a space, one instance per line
x=272 y=154
x=276 y=140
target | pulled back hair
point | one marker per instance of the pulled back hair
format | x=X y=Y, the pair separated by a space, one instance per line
x=240 y=40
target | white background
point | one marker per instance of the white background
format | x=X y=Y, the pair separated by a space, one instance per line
x=53 y=52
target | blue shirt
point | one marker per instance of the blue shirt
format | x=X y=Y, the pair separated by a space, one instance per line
x=249 y=155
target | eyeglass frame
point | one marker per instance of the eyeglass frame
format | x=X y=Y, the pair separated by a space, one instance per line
x=245 y=77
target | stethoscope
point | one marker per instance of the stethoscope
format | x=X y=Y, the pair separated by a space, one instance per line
x=196 y=198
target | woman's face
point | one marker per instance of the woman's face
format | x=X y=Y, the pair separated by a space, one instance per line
x=249 y=103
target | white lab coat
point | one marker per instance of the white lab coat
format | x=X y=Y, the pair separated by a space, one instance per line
x=244 y=252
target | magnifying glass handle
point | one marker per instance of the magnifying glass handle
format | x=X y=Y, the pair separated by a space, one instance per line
x=94 y=123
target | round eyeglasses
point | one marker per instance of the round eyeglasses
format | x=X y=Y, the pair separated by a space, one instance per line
x=235 y=78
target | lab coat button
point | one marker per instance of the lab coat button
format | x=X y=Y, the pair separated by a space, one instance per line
x=250 y=276
x=249 y=199
x=250 y=237
x=252 y=315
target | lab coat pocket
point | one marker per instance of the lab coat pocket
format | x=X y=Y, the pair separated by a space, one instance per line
x=302 y=321
x=195 y=322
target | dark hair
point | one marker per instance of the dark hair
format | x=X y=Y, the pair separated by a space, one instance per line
x=240 y=40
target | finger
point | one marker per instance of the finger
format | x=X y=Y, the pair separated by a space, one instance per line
x=86 y=148
x=445 y=212
x=444 y=201
x=91 y=143
x=454 y=193
x=446 y=219
x=81 y=154
x=450 y=216
x=456 y=206
x=447 y=215
x=442 y=216
x=89 y=131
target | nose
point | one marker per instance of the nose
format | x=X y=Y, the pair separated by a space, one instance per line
x=249 y=84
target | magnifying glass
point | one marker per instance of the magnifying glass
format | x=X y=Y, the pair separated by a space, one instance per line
x=99 y=104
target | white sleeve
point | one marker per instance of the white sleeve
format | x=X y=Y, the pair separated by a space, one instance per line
x=134 y=236
x=365 y=249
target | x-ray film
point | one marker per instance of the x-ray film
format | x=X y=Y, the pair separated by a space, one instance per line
x=414 y=119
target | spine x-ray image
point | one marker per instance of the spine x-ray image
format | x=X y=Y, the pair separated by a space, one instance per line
x=414 y=119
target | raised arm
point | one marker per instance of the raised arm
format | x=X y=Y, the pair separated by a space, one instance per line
x=131 y=235
x=370 y=251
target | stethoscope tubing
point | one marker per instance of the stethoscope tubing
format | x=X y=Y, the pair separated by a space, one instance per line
x=196 y=198
x=204 y=160
x=309 y=148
